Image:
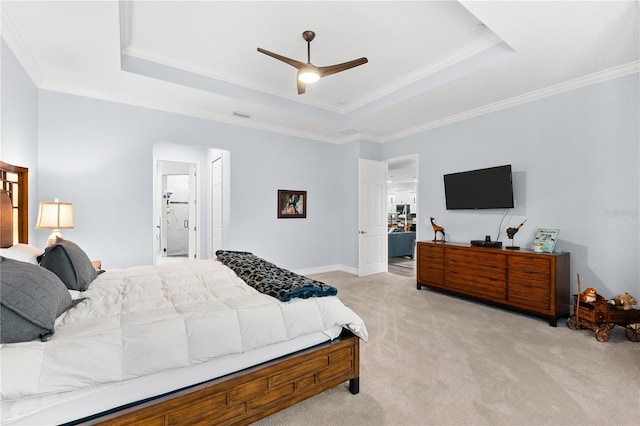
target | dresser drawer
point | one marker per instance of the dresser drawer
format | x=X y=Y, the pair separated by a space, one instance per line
x=431 y=260
x=530 y=264
x=430 y=264
x=431 y=274
x=527 y=296
x=485 y=288
x=531 y=271
x=430 y=250
x=479 y=257
x=487 y=271
x=540 y=280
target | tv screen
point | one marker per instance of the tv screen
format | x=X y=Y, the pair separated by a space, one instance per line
x=490 y=188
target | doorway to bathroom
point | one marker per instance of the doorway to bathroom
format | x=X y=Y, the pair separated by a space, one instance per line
x=177 y=222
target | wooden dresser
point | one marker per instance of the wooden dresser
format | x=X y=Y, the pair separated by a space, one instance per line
x=520 y=280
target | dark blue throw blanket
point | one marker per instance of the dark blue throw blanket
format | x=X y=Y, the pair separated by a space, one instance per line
x=272 y=280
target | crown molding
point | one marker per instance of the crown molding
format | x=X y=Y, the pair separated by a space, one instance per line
x=453 y=58
x=577 y=83
x=191 y=112
x=20 y=49
x=612 y=73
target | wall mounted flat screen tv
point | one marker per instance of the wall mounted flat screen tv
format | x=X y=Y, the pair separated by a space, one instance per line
x=490 y=188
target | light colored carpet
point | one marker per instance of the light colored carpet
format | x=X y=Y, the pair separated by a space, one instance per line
x=434 y=359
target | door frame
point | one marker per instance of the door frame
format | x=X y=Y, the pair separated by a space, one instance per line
x=415 y=157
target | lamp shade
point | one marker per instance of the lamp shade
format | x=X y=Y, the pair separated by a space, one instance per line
x=55 y=215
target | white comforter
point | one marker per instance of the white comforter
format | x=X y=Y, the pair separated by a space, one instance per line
x=140 y=320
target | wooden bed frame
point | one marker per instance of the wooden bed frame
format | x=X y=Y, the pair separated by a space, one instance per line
x=251 y=394
x=238 y=398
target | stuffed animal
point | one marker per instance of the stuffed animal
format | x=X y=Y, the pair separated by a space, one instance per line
x=623 y=301
x=589 y=295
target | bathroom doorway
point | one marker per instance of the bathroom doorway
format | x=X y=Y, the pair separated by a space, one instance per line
x=177 y=222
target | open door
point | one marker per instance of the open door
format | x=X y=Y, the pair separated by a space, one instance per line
x=216 y=205
x=192 y=223
x=372 y=234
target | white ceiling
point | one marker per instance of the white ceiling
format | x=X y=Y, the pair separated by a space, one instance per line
x=430 y=62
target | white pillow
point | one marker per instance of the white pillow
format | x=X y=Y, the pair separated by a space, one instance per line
x=22 y=252
x=74 y=294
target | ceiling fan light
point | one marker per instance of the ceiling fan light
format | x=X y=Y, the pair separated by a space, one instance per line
x=308 y=76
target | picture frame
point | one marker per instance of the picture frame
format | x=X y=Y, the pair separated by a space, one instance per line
x=292 y=204
x=545 y=240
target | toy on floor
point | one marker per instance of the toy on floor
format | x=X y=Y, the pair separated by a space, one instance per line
x=591 y=310
x=589 y=295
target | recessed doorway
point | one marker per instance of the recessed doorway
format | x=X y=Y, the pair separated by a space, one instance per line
x=177 y=221
x=402 y=212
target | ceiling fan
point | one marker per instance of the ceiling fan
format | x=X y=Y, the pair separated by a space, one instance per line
x=307 y=72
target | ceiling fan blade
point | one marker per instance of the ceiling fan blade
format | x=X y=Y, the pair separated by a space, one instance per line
x=302 y=87
x=292 y=62
x=332 y=69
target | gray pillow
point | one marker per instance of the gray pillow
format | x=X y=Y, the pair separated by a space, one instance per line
x=31 y=298
x=70 y=263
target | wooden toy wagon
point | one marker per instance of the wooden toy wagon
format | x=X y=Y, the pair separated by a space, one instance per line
x=601 y=317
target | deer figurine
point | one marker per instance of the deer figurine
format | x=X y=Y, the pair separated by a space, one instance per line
x=436 y=229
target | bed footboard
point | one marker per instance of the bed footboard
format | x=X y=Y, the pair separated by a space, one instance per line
x=251 y=394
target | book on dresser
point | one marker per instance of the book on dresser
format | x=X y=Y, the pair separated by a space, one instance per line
x=533 y=283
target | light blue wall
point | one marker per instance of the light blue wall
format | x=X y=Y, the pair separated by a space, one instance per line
x=575 y=161
x=98 y=155
x=349 y=203
x=19 y=124
x=575 y=158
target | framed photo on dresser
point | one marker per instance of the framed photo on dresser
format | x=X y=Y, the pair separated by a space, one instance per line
x=545 y=240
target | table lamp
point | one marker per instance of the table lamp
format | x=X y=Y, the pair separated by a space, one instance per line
x=56 y=216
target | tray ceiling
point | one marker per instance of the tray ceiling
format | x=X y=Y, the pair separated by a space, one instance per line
x=430 y=62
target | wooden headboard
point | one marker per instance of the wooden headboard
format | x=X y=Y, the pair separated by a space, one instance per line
x=14 y=204
x=6 y=220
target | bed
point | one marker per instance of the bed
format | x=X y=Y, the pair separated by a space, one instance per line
x=171 y=344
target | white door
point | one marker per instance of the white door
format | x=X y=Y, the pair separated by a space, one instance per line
x=216 y=206
x=193 y=213
x=372 y=235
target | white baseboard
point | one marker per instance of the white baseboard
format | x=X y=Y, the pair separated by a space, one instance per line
x=327 y=268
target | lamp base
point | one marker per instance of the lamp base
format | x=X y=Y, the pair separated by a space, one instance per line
x=53 y=238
